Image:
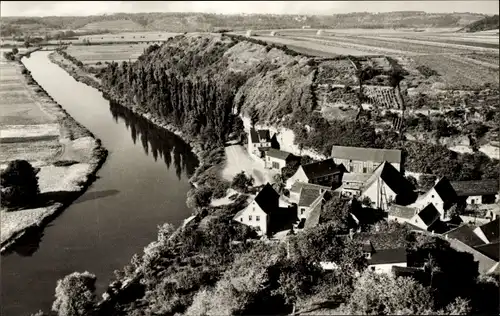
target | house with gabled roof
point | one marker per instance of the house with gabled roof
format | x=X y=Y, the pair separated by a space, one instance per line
x=426 y=217
x=259 y=212
x=276 y=159
x=366 y=160
x=476 y=192
x=386 y=186
x=489 y=232
x=325 y=173
x=296 y=188
x=259 y=141
x=465 y=233
x=353 y=183
x=442 y=195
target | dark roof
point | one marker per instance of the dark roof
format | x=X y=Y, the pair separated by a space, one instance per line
x=308 y=195
x=429 y=214
x=321 y=168
x=416 y=273
x=267 y=198
x=401 y=211
x=355 y=177
x=366 y=154
x=278 y=154
x=256 y=135
x=312 y=219
x=490 y=250
x=465 y=234
x=491 y=230
x=473 y=188
x=446 y=192
x=384 y=256
x=393 y=178
x=297 y=186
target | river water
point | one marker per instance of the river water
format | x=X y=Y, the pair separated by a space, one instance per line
x=142 y=184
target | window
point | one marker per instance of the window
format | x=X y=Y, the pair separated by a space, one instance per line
x=373 y=268
x=268 y=158
x=364 y=169
x=472 y=201
x=253 y=208
x=276 y=165
x=257 y=218
x=241 y=219
x=351 y=168
x=302 y=210
x=249 y=217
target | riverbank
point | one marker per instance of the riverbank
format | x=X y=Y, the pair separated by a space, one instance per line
x=68 y=161
x=89 y=79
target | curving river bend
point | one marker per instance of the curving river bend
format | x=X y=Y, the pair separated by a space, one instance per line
x=142 y=184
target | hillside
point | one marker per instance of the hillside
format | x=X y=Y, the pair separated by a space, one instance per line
x=114 y=25
x=191 y=22
x=486 y=24
x=207 y=78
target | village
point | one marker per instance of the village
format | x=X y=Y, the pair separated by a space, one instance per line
x=292 y=192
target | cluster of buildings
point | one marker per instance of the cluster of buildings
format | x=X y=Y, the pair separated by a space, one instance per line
x=376 y=178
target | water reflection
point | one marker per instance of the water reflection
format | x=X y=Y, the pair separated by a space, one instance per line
x=156 y=141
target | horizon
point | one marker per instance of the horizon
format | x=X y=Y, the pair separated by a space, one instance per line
x=98 y=8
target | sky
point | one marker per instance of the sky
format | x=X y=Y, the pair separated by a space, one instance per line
x=78 y=8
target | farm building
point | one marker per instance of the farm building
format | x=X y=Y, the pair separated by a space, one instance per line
x=476 y=192
x=325 y=173
x=365 y=160
x=442 y=195
x=250 y=33
x=320 y=32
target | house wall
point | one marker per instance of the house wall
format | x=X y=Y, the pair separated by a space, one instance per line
x=417 y=221
x=385 y=268
x=254 y=210
x=434 y=198
x=481 y=199
x=373 y=192
x=360 y=166
x=306 y=210
x=298 y=176
x=270 y=160
x=481 y=235
x=328 y=180
x=399 y=219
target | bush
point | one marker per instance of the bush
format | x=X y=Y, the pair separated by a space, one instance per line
x=199 y=197
x=75 y=294
x=426 y=181
x=19 y=184
x=241 y=182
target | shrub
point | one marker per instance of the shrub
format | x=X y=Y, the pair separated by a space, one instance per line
x=19 y=184
x=75 y=294
x=241 y=182
x=426 y=181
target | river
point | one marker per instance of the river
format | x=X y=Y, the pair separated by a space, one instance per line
x=142 y=184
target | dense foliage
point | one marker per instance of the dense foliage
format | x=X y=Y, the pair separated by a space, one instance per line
x=19 y=184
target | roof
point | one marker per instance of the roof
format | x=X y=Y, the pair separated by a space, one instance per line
x=401 y=211
x=444 y=189
x=321 y=168
x=465 y=233
x=379 y=241
x=355 y=177
x=297 y=186
x=490 y=250
x=278 y=154
x=367 y=154
x=484 y=262
x=384 y=256
x=392 y=177
x=308 y=196
x=261 y=134
x=267 y=198
x=312 y=219
x=491 y=230
x=473 y=188
x=429 y=214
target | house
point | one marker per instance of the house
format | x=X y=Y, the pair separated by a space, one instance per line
x=465 y=233
x=489 y=232
x=366 y=160
x=258 y=213
x=276 y=159
x=297 y=187
x=259 y=141
x=353 y=183
x=476 y=192
x=382 y=261
x=426 y=218
x=387 y=185
x=309 y=198
x=442 y=195
x=325 y=173
x=400 y=213
x=485 y=264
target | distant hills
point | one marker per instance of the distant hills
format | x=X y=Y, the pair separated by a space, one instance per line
x=191 y=22
x=485 y=24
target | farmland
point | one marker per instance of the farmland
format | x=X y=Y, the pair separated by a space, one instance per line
x=90 y=55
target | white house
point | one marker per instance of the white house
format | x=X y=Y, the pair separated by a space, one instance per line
x=366 y=160
x=309 y=198
x=258 y=213
x=426 y=217
x=296 y=188
x=276 y=159
x=258 y=140
x=442 y=196
x=325 y=173
x=476 y=192
x=386 y=186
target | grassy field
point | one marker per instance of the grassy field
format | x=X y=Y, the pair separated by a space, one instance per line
x=90 y=55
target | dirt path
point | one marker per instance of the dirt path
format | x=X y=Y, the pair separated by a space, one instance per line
x=239 y=160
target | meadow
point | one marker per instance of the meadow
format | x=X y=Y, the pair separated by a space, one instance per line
x=90 y=55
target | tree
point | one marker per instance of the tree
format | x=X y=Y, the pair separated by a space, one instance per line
x=15 y=51
x=19 y=184
x=280 y=182
x=75 y=295
x=432 y=266
x=426 y=181
x=199 y=197
x=336 y=212
x=412 y=180
x=241 y=182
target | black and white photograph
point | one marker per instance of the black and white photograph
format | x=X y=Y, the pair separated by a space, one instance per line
x=217 y=158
